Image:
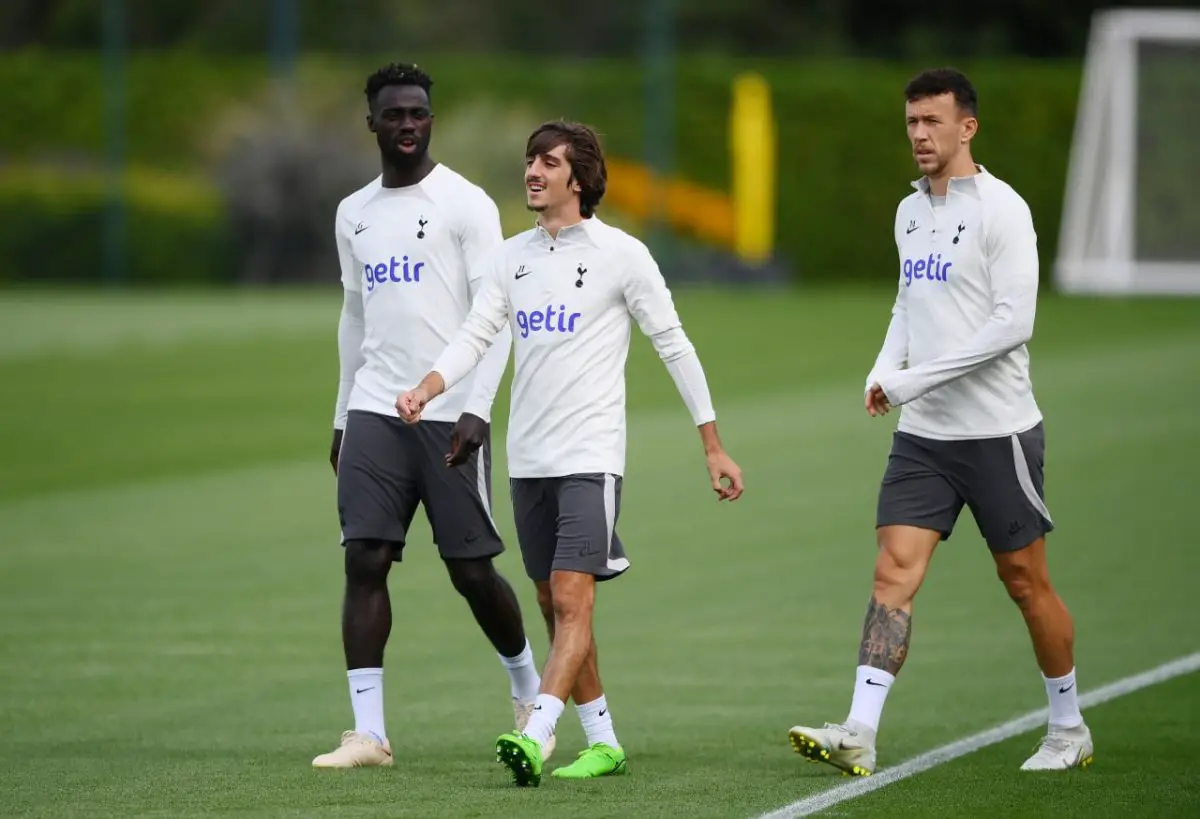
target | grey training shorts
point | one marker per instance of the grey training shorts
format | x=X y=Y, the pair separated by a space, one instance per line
x=569 y=524
x=387 y=468
x=927 y=482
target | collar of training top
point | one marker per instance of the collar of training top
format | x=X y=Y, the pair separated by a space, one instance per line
x=962 y=184
x=432 y=186
x=583 y=232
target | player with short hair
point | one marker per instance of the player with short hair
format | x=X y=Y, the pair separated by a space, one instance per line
x=412 y=245
x=970 y=433
x=571 y=288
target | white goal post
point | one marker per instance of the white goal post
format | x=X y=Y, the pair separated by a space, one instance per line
x=1131 y=210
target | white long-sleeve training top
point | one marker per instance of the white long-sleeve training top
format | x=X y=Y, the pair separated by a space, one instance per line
x=570 y=301
x=954 y=357
x=412 y=260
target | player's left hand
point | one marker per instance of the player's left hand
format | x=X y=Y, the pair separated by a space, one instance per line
x=721 y=466
x=877 y=401
x=467 y=436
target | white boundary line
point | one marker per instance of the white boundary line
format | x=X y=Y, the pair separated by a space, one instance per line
x=1022 y=724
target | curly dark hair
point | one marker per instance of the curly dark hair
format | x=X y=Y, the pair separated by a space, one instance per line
x=397 y=74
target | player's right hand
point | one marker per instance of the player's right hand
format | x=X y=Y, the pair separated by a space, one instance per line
x=876 y=401
x=335 y=450
x=410 y=404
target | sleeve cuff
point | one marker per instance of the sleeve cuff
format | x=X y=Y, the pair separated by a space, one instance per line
x=689 y=378
x=479 y=408
x=454 y=363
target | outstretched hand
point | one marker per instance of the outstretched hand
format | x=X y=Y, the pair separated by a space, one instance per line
x=467 y=436
x=721 y=467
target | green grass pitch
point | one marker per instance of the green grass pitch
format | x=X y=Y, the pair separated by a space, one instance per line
x=170 y=578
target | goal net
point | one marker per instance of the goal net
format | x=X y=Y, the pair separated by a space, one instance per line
x=1131 y=213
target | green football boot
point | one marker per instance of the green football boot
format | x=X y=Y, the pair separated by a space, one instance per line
x=522 y=756
x=598 y=760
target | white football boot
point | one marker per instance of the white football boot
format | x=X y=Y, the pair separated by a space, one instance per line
x=849 y=747
x=357 y=751
x=521 y=713
x=1062 y=749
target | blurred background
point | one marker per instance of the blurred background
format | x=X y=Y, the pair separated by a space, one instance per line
x=170 y=576
x=208 y=143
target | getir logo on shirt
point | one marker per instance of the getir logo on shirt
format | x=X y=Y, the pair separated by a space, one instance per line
x=549 y=320
x=394 y=270
x=927 y=269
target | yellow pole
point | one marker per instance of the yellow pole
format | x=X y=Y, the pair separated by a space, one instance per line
x=753 y=156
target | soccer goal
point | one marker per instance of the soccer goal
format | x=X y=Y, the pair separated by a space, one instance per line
x=1131 y=212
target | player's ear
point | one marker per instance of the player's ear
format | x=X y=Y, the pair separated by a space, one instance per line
x=370 y=123
x=970 y=127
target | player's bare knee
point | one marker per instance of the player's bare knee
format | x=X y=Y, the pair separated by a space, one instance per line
x=572 y=595
x=1018 y=582
x=1025 y=582
x=368 y=562
x=894 y=589
x=896 y=580
x=545 y=602
x=901 y=562
x=570 y=608
x=472 y=577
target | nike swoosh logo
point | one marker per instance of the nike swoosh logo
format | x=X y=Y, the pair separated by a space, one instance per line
x=361 y=690
x=522 y=275
x=872 y=682
x=1062 y=690
x=910 y=230
x=537 y=708
x=603 y=711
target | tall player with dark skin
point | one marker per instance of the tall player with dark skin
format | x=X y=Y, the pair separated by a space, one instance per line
x=400 y=117
x=403 y=126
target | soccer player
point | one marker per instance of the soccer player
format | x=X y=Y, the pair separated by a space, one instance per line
x=570 y=288
x=412 y=244
x=954 y=358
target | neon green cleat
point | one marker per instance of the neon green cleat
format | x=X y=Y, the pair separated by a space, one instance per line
x=523 y=756
x=598 y=760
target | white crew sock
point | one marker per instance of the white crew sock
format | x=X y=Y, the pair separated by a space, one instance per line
x=366 y=697
x=546 y=712
x=523 y=674
x=1064 y=701
x=597 y=722
x=871 y=688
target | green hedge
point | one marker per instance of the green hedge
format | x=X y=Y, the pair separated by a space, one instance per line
x=844 y=159
x=52 y=228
